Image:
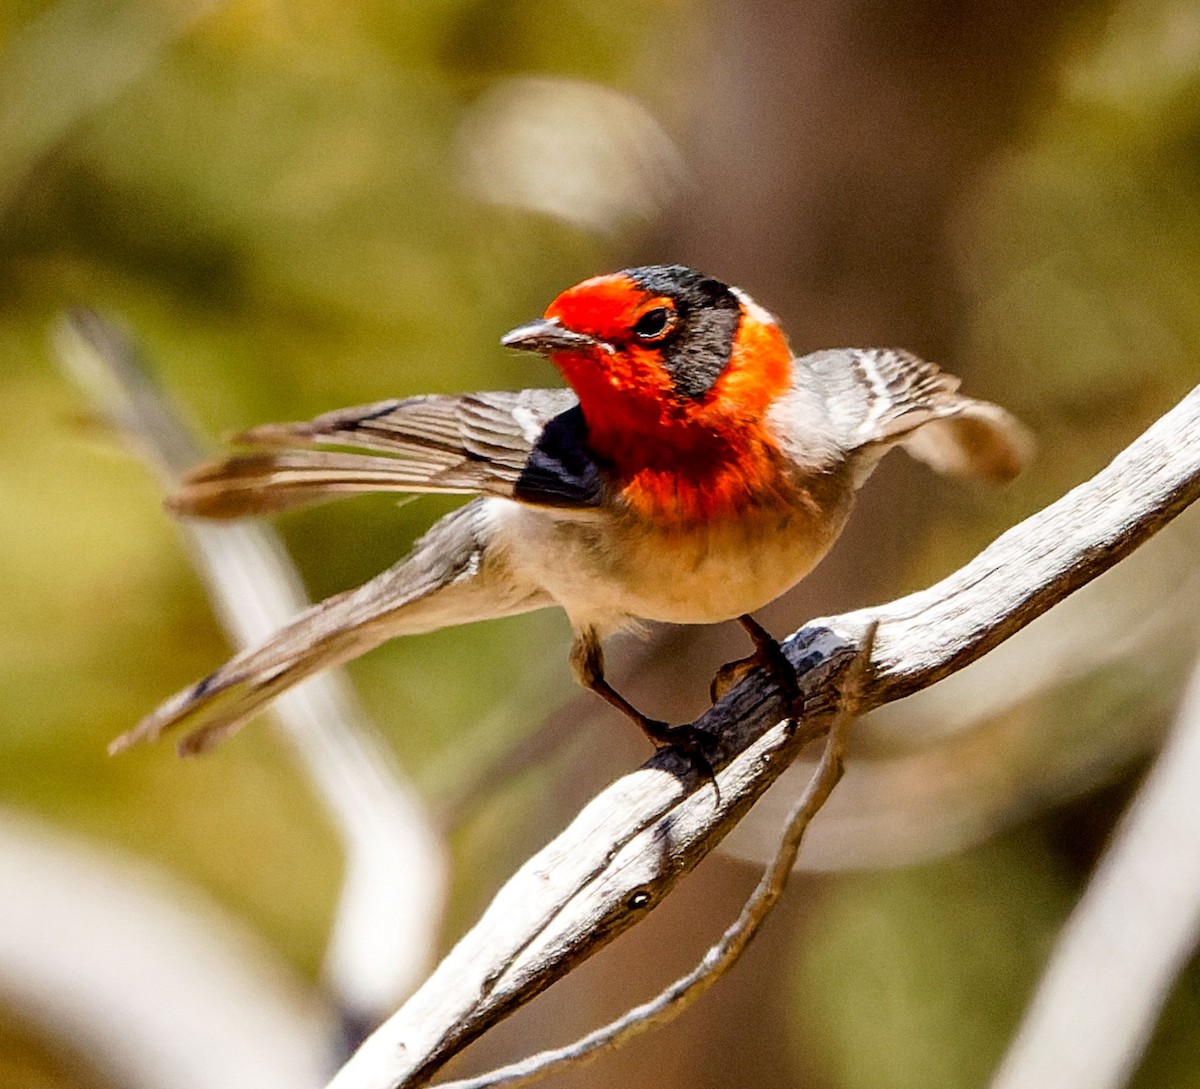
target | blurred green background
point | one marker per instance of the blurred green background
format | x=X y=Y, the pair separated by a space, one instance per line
x=300 y=206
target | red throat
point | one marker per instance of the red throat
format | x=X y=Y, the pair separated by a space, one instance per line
x=676 y=458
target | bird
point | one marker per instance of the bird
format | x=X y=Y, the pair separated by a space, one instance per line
x=692 y=471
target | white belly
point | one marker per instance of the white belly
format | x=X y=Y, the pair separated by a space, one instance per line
x=603 y=572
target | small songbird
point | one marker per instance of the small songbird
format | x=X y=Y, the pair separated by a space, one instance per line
x=693 y=472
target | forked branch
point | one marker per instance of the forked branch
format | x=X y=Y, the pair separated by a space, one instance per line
x=693 y=985
x=629 y=846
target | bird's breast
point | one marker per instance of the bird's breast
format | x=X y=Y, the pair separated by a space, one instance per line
x=605 y=569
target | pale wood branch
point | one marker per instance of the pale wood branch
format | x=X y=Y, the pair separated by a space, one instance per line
x=629 y=846
x=1131 y=934
x=691 y=987
x=389 y=911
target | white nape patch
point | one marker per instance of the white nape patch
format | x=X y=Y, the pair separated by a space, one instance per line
x=758 y=313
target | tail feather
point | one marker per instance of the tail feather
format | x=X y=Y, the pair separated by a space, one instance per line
x=218 y=705
x=450 y=577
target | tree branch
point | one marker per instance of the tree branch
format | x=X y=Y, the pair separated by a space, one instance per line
x=1127 y=940
x=690 y=988
x=629 y=846
x=389 y=909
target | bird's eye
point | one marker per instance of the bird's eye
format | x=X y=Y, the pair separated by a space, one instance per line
x=654 y=324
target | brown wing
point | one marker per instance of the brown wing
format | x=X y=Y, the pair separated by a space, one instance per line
x=481 y=444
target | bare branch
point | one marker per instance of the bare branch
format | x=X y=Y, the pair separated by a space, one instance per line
x=628 y=847
x=144 y=976
x=1128 y=938
x=988 y=747
x=690 y=988
x=389 y=912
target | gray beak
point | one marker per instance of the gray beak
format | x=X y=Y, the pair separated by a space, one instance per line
x=546 y=336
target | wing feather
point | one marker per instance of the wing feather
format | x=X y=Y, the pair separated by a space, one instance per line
x=881 y=396
x=477 y=444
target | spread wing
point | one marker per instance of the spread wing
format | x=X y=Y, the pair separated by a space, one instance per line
x=884 y=396
x=529 y=445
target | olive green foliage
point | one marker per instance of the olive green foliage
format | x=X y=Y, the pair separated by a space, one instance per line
x=268 y=195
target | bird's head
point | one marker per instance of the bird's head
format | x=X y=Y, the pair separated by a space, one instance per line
x=661 y=355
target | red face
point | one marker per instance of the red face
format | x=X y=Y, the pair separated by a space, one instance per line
x=663 y=360
x=621 y=381
x=674 y=374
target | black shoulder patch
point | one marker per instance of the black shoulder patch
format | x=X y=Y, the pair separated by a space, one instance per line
x=700 y=347
x=561 y=470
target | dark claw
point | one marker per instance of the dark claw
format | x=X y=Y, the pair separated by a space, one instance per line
x=784 y=676
x=768 y=655
x=729 y=676
x=691 y=741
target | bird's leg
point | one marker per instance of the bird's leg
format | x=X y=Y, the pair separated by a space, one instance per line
x=768 y=655
x=587 y=660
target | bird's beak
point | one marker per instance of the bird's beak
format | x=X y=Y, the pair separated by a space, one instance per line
x=547 y=336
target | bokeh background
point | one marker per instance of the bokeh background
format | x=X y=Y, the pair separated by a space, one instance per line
x=304 y=205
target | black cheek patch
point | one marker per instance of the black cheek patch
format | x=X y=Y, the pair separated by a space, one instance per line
x=561 y=471
x=699 y=353
x=698 y=350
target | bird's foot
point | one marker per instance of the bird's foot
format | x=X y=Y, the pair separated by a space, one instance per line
x=730 y=675
x=768 y=655
x=691 y=741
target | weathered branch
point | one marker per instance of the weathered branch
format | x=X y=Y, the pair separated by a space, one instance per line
x=1131 y=934
x=389 y=910
x=692 y=986
x=629 y=846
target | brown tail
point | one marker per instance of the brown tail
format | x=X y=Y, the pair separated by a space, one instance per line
x=449 y=578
